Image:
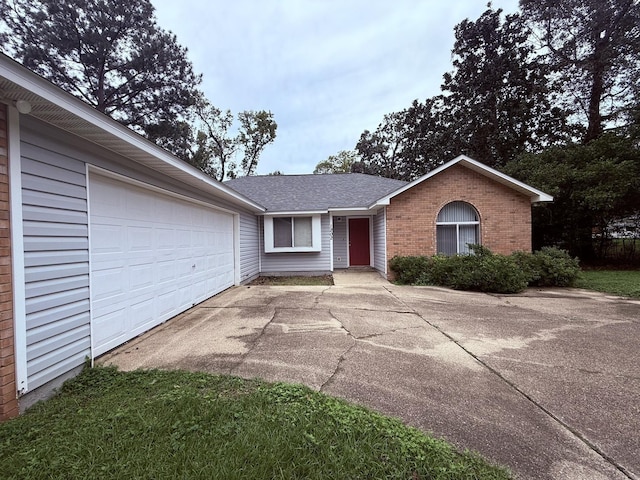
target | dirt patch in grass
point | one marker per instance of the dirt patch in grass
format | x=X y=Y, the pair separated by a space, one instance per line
x=294 y=280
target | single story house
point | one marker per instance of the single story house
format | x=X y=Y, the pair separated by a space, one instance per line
x=104 y=235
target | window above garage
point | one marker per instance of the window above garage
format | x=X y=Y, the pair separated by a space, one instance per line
x=292 y=233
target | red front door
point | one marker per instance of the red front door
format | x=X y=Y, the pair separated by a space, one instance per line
x=359 y=251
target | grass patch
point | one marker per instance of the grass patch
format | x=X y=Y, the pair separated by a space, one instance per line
x=294 y=280
x=168 y=425
x=625 y=283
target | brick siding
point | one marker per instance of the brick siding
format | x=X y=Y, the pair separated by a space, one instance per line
x=8 y=401
x=505 y=214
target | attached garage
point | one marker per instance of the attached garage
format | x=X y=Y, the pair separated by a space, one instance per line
x=106 y=235
x=153 y=255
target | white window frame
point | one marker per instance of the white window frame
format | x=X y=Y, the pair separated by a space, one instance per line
x=458 y=225
x=316 y=237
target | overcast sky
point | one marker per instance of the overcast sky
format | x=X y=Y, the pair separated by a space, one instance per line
x=327 y=69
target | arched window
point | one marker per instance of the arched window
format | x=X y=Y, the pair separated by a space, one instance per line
x=457 y=226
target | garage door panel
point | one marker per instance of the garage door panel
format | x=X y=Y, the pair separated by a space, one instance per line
x=140 y=238
x=107 y=238
x=184 y=268
x=166 y=270
x=108 y=282
x=141 y=314
x=110 y=329
x=167 y=303
x=183 y=239
x=165 y=238
x=153 y=256
x=141 y=276
x=106 y=202
x=139 y=203
x=199 y=239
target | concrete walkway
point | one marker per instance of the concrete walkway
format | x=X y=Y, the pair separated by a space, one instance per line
x=357 y=276
x=546 y=383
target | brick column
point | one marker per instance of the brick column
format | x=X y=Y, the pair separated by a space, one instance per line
x=8 y=400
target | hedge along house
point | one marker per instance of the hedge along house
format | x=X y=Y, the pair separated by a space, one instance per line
x=104 y=235
x=318 y=223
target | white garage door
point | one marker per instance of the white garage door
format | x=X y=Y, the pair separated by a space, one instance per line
x=152 y=256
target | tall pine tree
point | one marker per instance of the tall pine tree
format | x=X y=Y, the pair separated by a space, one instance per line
x=112 y=55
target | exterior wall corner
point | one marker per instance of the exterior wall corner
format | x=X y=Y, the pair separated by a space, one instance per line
x=8 y=385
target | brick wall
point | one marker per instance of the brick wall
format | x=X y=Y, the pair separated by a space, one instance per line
x=8 y=401
x=505 y=215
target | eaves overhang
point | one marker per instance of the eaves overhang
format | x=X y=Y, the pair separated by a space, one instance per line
x=56 y=107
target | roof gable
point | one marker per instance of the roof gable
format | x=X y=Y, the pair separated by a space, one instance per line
x=534 y=194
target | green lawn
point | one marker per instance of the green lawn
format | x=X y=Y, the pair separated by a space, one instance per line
x=171 y=425
x=616 y=282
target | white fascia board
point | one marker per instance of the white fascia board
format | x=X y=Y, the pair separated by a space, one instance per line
x=534 y=194
x=363 y=211
x=37 y=85
x=305 y=213
x=350 y=209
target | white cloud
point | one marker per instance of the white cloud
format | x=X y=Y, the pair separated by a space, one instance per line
x=327 y=69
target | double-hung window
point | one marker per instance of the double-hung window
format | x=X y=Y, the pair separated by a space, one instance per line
x=457 y=227
x=292 y=233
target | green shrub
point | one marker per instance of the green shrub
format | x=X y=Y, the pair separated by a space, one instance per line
x=526 y=262
x=487 y=273
x=437 y=271
x=484 y=271
x=408 y=269
x=555 y=268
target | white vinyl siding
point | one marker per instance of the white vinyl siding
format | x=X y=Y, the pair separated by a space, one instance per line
x=379 y=242
x=56 y=260
x=340 y=245
x=457 y=226
x=249 y=247
x=307 y=262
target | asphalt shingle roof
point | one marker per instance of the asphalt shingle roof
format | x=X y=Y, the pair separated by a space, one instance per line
x=299 y=193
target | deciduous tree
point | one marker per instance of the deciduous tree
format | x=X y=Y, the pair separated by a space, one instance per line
x=593 y=185
x=342 y=162
x=257 y=130
x=218 y=144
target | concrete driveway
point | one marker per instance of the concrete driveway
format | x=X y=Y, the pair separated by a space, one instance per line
x=546 y=382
